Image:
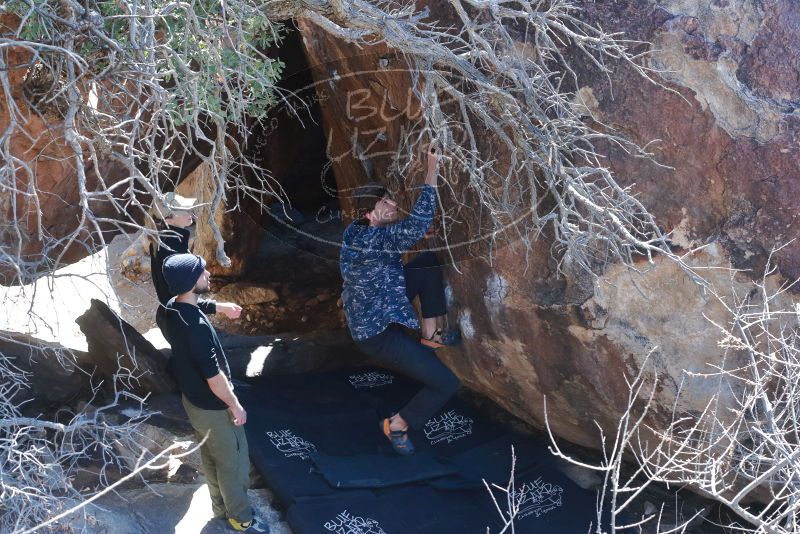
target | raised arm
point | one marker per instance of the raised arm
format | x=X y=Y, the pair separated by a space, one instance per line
x=174 y=240
x=404 y=234
x=432 y=178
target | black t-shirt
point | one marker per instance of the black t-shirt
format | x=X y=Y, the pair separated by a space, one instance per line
x=174 y=240
x=197 y=354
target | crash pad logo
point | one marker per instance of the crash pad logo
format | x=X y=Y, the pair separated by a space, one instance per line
x=448 y=427
x=372 y=379
x=537 y=498
x=346 y=523
x=291 y=445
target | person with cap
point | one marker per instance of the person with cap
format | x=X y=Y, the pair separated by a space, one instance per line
x=204 y=379
x=377 y=292
x=175 y=233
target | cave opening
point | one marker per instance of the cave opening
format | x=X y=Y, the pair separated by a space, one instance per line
x=295 y=265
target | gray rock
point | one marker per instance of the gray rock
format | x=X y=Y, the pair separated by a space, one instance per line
x=110 y=338
x=166 y=424
x=55 y=375
x=163 y=508
x=246 y=294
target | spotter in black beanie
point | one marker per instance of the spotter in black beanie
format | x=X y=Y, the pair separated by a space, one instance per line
x=182 y=271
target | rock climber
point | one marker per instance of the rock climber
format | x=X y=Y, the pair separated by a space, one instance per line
x=378 y=290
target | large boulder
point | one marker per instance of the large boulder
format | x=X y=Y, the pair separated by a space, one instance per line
x=55 y=375
x=35 y=227
x=725 y=113
x=116 y=347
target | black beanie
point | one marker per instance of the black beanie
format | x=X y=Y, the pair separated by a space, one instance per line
x=182 y=271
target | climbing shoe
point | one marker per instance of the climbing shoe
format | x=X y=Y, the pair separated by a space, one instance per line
x=248 y=526
x=446 y=338
x=399 y=439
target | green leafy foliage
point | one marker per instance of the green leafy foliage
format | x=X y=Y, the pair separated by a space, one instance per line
x=210 y=59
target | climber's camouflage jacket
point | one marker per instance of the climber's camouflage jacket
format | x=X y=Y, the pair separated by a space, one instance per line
x=371 y=262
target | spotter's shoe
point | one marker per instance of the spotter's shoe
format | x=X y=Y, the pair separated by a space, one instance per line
x=248 y=526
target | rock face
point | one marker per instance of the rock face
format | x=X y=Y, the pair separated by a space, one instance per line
x=732 y=141
x=729 y=129
x=44 y=159
x=241 y=234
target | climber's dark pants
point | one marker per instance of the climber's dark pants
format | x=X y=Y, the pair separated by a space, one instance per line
x=396 y=349
x=424 y=279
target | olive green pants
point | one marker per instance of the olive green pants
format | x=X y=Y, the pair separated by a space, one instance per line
x=226 y=461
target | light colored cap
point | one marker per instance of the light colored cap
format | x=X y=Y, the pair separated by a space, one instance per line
x=172 y=202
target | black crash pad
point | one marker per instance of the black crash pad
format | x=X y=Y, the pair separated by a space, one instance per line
x=549 y=501
x=424 y=510
x=383 y=390
x=456 y=428
x=303 y=426
x=379 y=471
x=301 y=394
x=416 y=510
x=361 y=513
x=282 y=435
x=492 y=462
